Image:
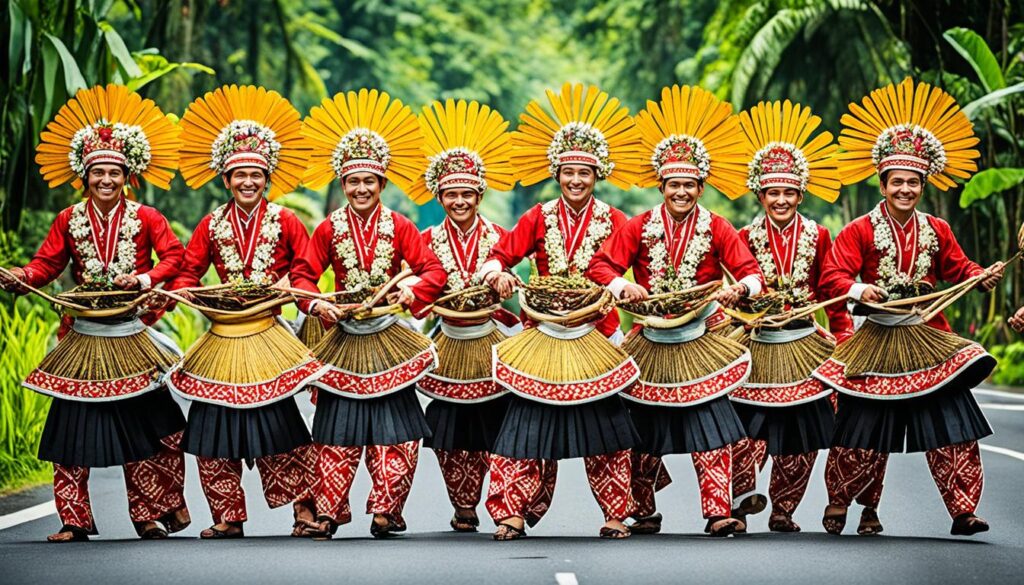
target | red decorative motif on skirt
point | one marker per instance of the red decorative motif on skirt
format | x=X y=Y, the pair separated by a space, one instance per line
x=91 y=390
x=245 y=395
x=366 y=385
x=782 y=394
x=570 y=392
x=690 y=393
x=459 y=392
x=900 y=386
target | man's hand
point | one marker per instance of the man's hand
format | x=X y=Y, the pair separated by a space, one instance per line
x=326 y=311
x=873 y=294
x=1017 y=320
x=127 y=282
x=12 y=284
x=730 y=295
x=633 y=293
x=502 y=282
x=993 y=274
x=402 y=297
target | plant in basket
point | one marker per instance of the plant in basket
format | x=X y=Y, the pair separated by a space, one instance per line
x=560 y=294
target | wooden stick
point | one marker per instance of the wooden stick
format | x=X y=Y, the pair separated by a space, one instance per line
x=48 y=297
x=800 y=313
x=387 y=286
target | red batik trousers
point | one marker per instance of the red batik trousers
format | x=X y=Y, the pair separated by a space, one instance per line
x=287 y=477
x=956 y=470
x=714 y=477
x=788 y=483
x=155 y=488
x=524 y=487
x=464 y=473
x=391 y=470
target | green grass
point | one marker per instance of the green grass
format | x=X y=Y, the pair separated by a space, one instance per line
x=25 y=332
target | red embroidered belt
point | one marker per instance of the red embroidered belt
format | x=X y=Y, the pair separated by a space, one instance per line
x=251 y=395
x=355 y=385
x=692 y=392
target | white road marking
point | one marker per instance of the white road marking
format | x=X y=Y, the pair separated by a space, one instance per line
x=28 y=514
x=1002 y=451
x=999 y=393
x=566 y=579
x=996 y=406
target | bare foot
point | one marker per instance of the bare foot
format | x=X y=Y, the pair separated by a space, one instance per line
x=303 y=515
x=465 y=520
x=512 y=528
x=69 y=534
x=223 y=530
x=614 y=529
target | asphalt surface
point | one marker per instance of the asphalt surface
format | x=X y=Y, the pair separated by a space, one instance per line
x=915 y=548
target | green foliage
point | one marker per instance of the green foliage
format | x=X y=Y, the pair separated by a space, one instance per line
x=975 y=50
x=1010 y=371
x=990 y=181
x=24 y=336
x=184 y=325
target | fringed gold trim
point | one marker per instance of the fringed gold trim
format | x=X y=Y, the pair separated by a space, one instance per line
x=677 y=363
x=879 y=349
x=373 y=353
x=87 y=357
x=465 y=359
x=245 y=360
x=787 y=363
x=560 y=360
x=311 y=332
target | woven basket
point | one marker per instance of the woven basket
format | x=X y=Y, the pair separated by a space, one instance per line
x=233 y=297
x=558 y=295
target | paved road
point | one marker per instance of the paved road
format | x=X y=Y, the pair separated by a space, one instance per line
x=916 y=546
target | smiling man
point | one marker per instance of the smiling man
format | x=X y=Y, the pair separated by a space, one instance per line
x=676 y=246
x=905 y=385
x=120 y=413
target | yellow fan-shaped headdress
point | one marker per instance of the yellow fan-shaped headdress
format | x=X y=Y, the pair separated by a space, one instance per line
x=111 y=124
x=691 y=133
x=909 y=128
x=364 y=131
x=243 y=126
x=785 y=154
x=588 y=128
x=466 y=146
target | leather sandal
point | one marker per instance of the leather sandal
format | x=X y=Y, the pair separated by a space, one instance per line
x=214 y=533
x=869 y=522
x=155 y=532
x=77 y=534
x=834 y=519
x=968 y=524
x=646 y=524
x=719 y=526
x=782 y=523
x=611 y=533
x=388 y=530
x=323 y=528
x=508 y=532
x=464 y=523
x=173 y=523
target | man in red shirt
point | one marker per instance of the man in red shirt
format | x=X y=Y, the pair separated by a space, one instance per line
x=128 y=418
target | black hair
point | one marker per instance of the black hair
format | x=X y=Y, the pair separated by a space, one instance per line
x=883 y=178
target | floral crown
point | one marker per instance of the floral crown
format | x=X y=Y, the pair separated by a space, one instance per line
x=778 y=164
x=456 y=168
x=103 y=142
x=908 y=147
x=361 y=150
x=580 y=143
x=245 y=143
x=681 y=156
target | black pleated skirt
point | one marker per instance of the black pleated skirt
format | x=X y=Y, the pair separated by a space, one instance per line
x=467 y=427
x=244 y=433
x=686 y=429
x=350 y=422
x=944 y=417
x=535 y=430
x=790 y=430
x=104 y=434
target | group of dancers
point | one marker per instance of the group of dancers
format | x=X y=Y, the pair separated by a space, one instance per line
x=747 y=373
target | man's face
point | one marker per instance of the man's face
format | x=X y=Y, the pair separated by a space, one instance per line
x=681 y=194
x=247 y=185
x=577 y=182
x=105 y=182
x=363 y=191
x=902 y=190
x=780 y=203
x=460 y=204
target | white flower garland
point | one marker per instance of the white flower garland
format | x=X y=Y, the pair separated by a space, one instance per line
x=263 y=256
x=554 y=243
x=345 y=249
x=130 y=140
x=81 y=235
x=889 y=273
x=664 y=277
x=259 y=138
x=806 y=249
x=442 y=247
